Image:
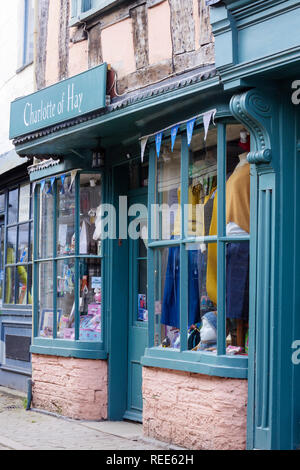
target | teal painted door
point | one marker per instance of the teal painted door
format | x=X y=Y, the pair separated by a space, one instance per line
x=137 y=319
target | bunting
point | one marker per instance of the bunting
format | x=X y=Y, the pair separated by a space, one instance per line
x=207 y=117
x=73 y=176
x=143 y=147
x=189 y=130
x=158 y=140
x=62 y=189
x=174 y=132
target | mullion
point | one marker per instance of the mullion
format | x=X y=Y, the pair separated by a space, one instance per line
x=151 y=252
x=29 y=250
x=35 y=277
x=184 y=281
x=221 y=245
x=77 y=250
x=54 y=261
x=17 y=247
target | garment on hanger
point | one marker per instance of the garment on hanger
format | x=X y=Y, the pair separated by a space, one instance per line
x=171 y=299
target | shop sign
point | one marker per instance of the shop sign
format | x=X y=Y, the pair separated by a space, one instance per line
x=65 y=100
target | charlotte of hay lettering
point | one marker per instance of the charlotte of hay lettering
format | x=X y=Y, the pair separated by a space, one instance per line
x=48 y=110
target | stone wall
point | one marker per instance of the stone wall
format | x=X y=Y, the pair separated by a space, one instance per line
x=76 y=388
x=195 y=411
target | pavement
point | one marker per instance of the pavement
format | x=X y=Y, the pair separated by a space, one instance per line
x=33 y=430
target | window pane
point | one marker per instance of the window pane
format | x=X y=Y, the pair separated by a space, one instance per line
x=29 y=284
x=13 y=206
x=202 y=214
x=167 y=297
x=138 y=174
x=45 y=299
x=10 y=285
x=202 y=295
x=2 y=202
x=31 y=242
x=168 y=216
x=238 y=182
x=21 y=284
x=65 y=217
x=24 y=203
x=66 y=299
x=23 y=243
x=90 y=299
x=90 y=200
x=11 y=245
x=1 y=262
x=142 y=290
x=46 y=222
x=237 y=296
x=28 y=32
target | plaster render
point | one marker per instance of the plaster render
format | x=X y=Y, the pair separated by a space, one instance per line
x=76 y=388
x=52 y=61
x=195 y=411
x=160 y=44
x=117 y=47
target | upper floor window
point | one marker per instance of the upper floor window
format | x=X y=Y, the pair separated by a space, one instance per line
x=85 y=9
x=27 y=23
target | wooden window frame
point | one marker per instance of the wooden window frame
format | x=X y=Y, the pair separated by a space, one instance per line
x=54 y=346
x=218 y=364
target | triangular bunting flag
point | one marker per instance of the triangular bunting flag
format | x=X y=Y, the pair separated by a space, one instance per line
x=189 y=130
x=144 y=141
x=62 y=189
x=73 y=176
x=206 y=121
x=51 y=185
x=174 y=131
x=43 y=185
x=158 y=140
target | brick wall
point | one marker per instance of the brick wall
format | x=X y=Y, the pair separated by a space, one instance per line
x=194 y=411
x=76 y=388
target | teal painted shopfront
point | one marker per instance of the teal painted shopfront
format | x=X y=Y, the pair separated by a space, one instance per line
x=230 y=270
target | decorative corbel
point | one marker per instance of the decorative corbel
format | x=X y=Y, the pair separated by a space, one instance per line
x=254 y=109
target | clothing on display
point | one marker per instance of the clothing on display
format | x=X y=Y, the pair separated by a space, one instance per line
x=171 y=300
x=238 y=197
x=237 y=280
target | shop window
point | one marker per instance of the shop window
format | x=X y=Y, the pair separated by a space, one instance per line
x=199 y=246
x=16 y=248
x=2 y=236
x=85 y=9
x=67 y=261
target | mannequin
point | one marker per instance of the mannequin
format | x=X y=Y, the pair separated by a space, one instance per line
x=237 y=253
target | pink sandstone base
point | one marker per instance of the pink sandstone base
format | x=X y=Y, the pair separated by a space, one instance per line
x=195 y=411
x=76 y=388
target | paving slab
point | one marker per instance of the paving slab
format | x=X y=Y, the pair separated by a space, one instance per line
x=31 y=430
